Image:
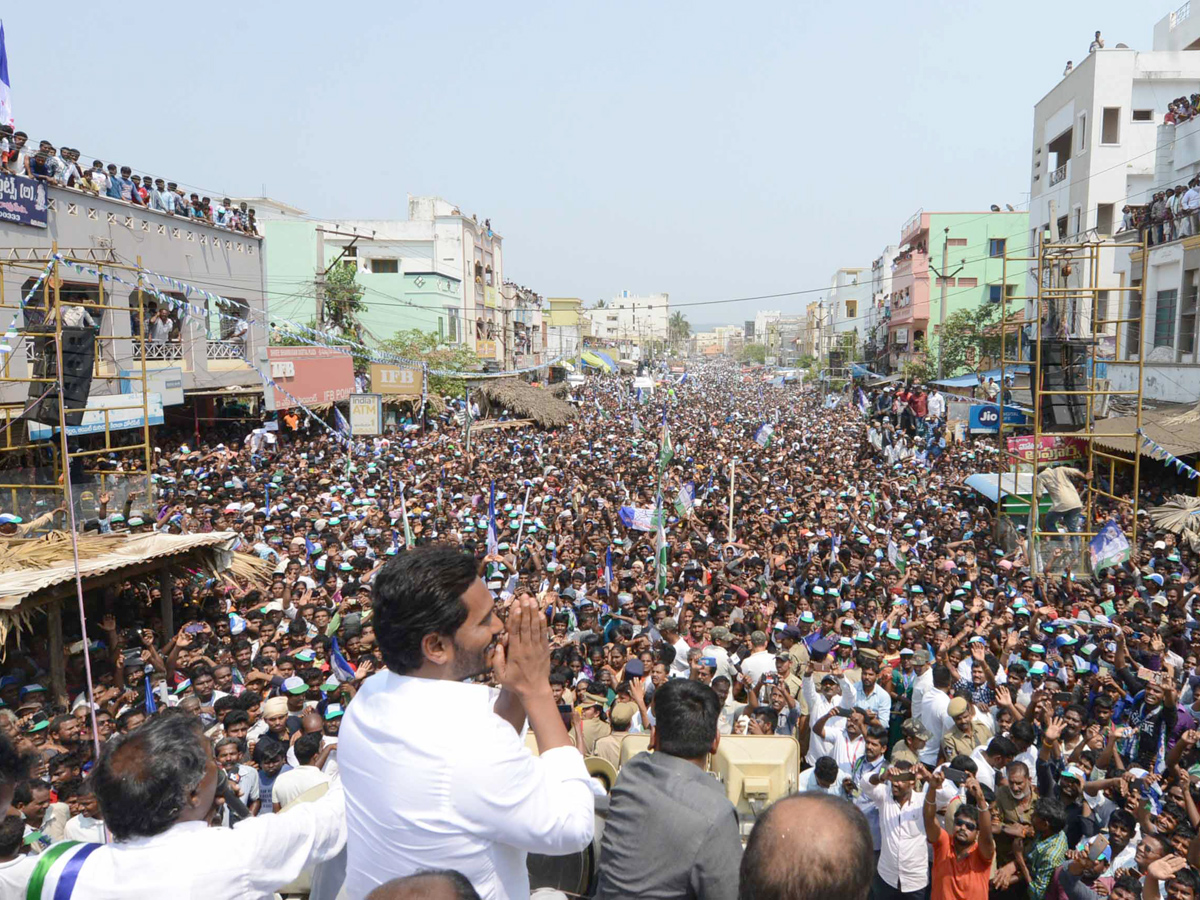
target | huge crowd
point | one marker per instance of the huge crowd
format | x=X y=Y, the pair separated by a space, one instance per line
x=989 y=730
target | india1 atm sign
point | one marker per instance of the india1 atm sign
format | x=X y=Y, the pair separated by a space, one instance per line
x=395 y=380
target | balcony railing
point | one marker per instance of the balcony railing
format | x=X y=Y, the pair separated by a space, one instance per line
x=1058 y=175
x=226 y=350
x=169 y=350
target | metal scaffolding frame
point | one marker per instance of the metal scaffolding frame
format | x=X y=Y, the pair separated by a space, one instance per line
x=1058 y=264
x=19 y=454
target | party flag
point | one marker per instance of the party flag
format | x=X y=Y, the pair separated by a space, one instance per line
x=6 y=113
x=493 y=542
x=338 y=666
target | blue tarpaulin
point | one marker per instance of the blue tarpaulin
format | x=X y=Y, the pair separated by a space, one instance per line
x=612 y=363
x=961 y=381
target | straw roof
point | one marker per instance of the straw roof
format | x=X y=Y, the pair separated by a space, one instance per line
x=523 y=399
x=1175 y=427
x=38 y=571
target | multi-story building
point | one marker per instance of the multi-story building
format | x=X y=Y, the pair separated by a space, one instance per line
x=565 y=327
x=849 y=295
x=1094 y=140
x=763 y=319
x=631 y=320
x=875 y=320
x=217 y=271
x=436 y=271
x=523 y=334
x=811 y=331
x=973 y=245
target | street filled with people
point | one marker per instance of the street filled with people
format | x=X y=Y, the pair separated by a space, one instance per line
x=723 y=557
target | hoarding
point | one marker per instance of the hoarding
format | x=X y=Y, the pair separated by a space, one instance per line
x=23 y=201
x=985 y=418
x=310 y=375
x=128 y=416
x=167 y=382
x=1054 y=448
x=366 y=414
x=394 y=380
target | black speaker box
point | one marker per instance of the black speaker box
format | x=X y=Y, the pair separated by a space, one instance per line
x=78 y=356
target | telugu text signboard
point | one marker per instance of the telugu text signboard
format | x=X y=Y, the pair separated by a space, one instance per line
x=123 y=411
x=23 y=200
x=366 y=414
x=310 y=375
x=1054 y=448
x=395 y=380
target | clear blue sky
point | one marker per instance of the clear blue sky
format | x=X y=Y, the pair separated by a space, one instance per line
x=710 y=150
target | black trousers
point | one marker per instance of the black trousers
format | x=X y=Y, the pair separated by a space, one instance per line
x=881 y=890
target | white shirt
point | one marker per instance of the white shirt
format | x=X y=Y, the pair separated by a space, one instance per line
x=817 y=707
x=436 y=780
x=903 y=856
x=83 y=828
x=808 y=782
x=250 y=861
x=922 y=684
x=756 y=665
x=846 y=751
x=291 y=784
x=986 y=774
x=679 y=665
x=14 y=876
x=934 y=717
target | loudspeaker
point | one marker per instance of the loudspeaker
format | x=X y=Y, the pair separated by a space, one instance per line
x=1064 y=368
x=78 y=355
x=837 y=360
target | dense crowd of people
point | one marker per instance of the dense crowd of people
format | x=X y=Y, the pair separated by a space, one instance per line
x=967 y=727
x=62 y=167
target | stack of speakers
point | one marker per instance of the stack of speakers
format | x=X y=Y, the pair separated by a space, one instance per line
x=78 y=357
x=1064 y=368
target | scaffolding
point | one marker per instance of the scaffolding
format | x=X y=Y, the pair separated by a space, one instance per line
x=39 y=459
x=1066 y=315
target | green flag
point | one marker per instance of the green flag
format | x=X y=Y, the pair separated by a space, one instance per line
x=660 y=555
x=408 y=535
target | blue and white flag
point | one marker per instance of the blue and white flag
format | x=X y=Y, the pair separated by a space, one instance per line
x=762 y=437
x=343 y=426
x=6 y=113
x=637 y=518
x=637 y=424
x=151 y=702
x=338 y=666
x=608 y=566
x=1109 y=547
x=493 y=542
x=685 y=500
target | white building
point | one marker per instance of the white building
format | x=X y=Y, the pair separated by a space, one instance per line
x=631 y=319
x=874 y=324
x=1094 y=142
x=763 y=319
x=849 y=296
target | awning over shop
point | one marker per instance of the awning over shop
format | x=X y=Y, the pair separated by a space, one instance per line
x=990 y=485
x=1176 y=427
x=612 y=363
x=962 y=381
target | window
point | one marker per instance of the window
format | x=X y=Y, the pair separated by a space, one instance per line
x=1077 y=213
x=1164 y=318
x=1010 y=291
x=1133 y=330
x=350 y=253
x=851 y=309
x=945 y=282
x=452 y=321
x=1110 y=125
x=996 y=246
x=1143 y=115
x=956 y=242
x=385 y=266
x=1104 y=218
x=968 y=282
x=1101 y=309
x=1082 y=132
x=1187 y=315
x=995 y=293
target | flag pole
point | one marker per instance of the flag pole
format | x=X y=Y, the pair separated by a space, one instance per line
x=732 y=466
x=521 y=527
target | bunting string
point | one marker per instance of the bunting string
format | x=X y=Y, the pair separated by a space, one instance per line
x=1158 y=451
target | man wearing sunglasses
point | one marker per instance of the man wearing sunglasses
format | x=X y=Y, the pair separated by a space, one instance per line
x=962 y=862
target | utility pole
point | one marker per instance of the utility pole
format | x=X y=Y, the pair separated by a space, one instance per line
x=319 y=281
x=944 y=278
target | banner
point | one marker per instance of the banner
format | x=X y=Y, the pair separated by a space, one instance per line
x=167 y=382
x=394 y=380
x=1054 y=448
x=686 y=500
x=308 y=376
x=1109 y=547
x=985 y=418
x=23 y=201
x=128 y=416
x=637 y=518
x=366 y=415
x=762 y=437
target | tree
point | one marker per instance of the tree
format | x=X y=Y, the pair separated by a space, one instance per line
x=679 y=329
x=963 y=331
x=343 y=298
x=753 y=353
x=426 y=347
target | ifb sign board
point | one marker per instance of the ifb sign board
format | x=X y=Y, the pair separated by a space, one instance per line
x=985 y=417
x=366 y=414
x=395 y=380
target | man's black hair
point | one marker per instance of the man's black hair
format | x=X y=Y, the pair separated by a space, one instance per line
x=144 y=778
x=419 y=593
x=686 y=714
x=826 y=769
x=12 y=834
x=14 y=766
x=236 y=717
x=307 y=747
x=877 y=733
x=267 y=750
x=1053 y=812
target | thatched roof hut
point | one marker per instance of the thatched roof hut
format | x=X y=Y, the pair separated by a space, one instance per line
x=523 y=399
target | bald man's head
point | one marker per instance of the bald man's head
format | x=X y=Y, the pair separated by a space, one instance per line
x=443 y=885
x=810 y=846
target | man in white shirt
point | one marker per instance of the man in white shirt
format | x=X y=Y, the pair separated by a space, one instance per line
x=669 y=629
x=934 y=715
x=924 y=679
x=294 y=782
x=437 y=774
x=758 y=664
x=819 y=704
x=156 y=786
x=903 y=870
